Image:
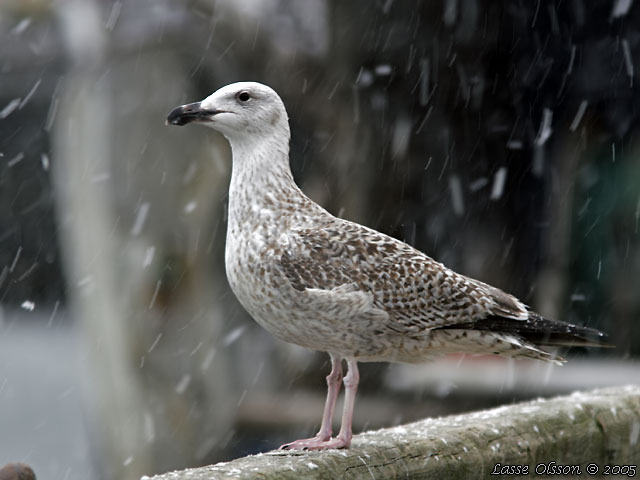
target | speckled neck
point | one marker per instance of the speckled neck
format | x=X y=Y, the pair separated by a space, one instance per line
x=261 y=180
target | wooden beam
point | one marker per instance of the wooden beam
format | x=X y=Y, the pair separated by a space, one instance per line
x=570 y=434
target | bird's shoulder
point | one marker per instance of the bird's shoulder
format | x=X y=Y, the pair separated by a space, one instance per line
x=337 y=251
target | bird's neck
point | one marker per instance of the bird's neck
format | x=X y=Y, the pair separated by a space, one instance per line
x=261 y=181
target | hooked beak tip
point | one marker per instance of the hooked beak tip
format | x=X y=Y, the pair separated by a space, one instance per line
x=185 y=114
x=192 y=112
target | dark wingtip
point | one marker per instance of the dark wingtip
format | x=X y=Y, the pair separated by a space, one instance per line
x=571 y=335
x=542 y=331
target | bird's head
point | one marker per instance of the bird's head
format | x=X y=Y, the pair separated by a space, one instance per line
x=238 y=111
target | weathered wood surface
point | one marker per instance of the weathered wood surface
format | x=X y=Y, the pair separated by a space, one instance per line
x=600 y=427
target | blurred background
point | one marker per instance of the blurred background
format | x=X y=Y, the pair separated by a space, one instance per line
x=501 y=138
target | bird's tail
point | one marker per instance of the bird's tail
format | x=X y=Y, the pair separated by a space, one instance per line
x=541 y=331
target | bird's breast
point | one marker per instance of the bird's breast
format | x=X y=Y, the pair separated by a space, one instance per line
x=250 y=252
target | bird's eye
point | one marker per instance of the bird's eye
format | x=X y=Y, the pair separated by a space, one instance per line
x=243 y=96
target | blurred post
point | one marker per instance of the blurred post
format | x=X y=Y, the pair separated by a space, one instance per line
x=137 y=229
x=83 y=149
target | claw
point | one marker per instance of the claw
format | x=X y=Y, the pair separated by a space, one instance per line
x=323 y=440
x=316 y=443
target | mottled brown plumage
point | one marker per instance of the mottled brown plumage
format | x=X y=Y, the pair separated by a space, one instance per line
x=332 y=285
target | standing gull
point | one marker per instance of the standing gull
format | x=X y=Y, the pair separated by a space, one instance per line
x=332 y=285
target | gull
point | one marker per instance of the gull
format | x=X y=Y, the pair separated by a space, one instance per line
x=335 y=286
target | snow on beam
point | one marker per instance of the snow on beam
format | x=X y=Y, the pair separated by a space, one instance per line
x=572 y=434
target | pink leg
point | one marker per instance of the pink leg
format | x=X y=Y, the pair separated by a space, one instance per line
x=333 y=383
x=350 y=389
x=343 y=440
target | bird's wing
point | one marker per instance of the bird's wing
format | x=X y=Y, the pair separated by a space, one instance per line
x=416 y=292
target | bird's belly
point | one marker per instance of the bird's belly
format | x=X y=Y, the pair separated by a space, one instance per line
x=285 y=313
x=276 y=306
x=279 y=308
x=263 y=294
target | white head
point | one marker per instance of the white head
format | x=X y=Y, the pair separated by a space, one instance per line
x=240 y=111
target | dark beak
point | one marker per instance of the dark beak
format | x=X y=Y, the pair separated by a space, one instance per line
x=192 y=112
